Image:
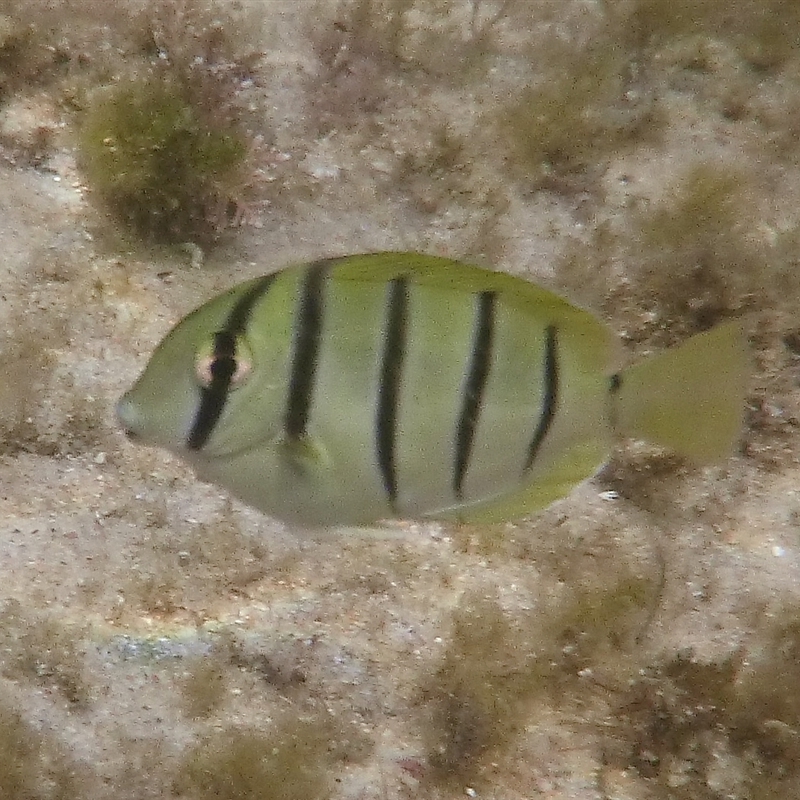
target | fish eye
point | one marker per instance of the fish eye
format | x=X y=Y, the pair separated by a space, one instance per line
x=224 y=357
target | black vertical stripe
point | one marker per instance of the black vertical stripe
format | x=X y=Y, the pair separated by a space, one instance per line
x=305 y=350
x=473 y=388
x=614 y=387
x=550 y=397
x=223 y=365
x=391 y=375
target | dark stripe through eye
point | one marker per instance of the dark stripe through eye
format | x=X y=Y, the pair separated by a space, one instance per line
x=223 y=366
x=305 y=355
x=550 y=395
x=213 y=396
x=473 y=388
x=391 y=374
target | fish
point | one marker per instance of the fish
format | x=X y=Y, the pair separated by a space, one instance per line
x=384 y=386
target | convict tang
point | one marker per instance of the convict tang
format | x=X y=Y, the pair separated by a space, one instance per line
x=384 y=385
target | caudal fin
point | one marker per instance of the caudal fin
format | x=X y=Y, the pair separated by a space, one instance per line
x=690 y=398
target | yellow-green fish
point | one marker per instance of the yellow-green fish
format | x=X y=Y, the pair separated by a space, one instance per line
x=401 y=385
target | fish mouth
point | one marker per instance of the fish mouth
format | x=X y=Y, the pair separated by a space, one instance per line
x=129 y=418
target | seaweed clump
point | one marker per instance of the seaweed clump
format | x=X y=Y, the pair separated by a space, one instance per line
x=158 y=163
x=168 y=146
x=698 y=257
x=292 y=762
x=44 y=650
x=726 y=728
x=32 y=764
x=560 y=133
x=499 y=667
x=476 y=697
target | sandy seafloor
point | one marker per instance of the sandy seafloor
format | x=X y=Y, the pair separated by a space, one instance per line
x=145 y=616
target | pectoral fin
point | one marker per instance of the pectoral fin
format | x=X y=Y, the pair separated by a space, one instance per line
x=305 y=454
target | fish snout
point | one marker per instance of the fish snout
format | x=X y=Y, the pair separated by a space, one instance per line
x=128 y=417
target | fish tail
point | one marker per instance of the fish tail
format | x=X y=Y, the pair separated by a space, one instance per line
x=690 y=398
